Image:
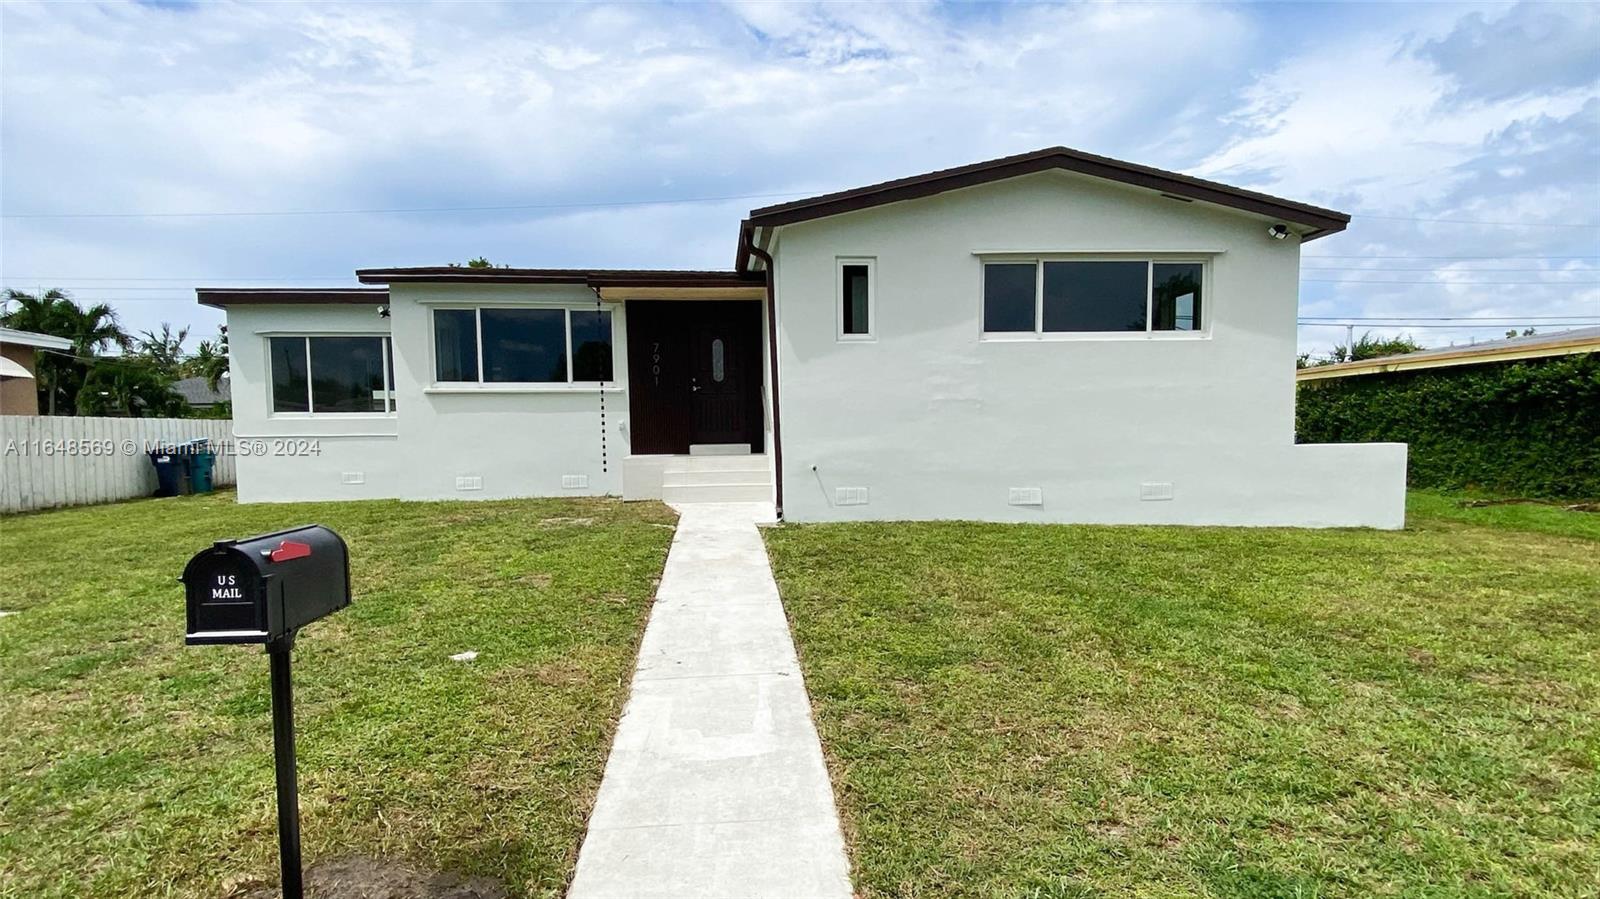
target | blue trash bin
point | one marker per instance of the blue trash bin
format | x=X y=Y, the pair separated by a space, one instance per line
x=172 y=472
x=202 y=462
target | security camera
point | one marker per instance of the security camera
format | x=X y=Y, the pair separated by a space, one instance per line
x=1278 y=231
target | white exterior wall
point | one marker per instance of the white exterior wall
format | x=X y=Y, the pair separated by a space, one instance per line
x=938 y=422
x=519 y=441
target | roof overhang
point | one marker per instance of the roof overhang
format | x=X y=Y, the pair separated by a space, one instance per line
x=223 y=297
x=33 y=339
x=1313 y=221
x=610 y=284
x=1449 y=358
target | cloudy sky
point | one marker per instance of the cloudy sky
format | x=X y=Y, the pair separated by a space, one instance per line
x=1465 y=139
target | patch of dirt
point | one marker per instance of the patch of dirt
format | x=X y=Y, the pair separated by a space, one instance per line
x=358 y=877
x=560 y=522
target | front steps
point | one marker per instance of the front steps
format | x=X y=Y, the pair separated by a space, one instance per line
x=717 y=479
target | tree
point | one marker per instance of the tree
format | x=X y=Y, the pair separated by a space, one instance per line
x=132 y=386
x=1369 y=347
x=163 y=351
x=210 y=360
x=91 y=331
x=480 y=262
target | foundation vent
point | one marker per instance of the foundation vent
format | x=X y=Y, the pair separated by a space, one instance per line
x=850 y=496
x=353 y=477
x=469 y=482
x=1025 y=496
x=574 y=481
x=1155 y=492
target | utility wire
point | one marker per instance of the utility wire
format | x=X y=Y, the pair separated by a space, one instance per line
x=1448 y=283
x=530 y=207
x=417 y=210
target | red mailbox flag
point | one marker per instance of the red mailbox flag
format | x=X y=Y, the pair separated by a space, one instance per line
x=289 y=549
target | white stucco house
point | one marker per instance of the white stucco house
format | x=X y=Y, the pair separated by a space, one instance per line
x=1055 y=336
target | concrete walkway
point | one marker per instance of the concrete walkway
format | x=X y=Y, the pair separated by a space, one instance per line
x=716 y=785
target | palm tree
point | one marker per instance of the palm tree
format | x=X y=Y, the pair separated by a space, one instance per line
x=210 y=360
x=164 y=350
x=91 y=331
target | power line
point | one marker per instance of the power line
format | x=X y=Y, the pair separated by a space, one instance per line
x=1448 y=283
x=1438 y=270
x=1311 y=257
x=418 y=210
x=1403 y=218
x=1439 y=318
x=1506 y=325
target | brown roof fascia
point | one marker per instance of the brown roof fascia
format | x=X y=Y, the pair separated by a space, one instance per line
x=589 y=277
x=222 y=297
x=1319 y=220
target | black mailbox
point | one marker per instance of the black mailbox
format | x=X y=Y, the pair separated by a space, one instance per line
x=262 y=589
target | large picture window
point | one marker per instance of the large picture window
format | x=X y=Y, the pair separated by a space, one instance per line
x=1091 y=296
x=333 y=375
x=521 y=345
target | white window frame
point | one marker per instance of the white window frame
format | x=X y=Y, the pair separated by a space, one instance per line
x=871 y=262
x=305 y=337
x=1151 y=260
x=481 y=385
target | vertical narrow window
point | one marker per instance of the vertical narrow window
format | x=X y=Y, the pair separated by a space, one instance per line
x=718 y=363
x=591 y=345
x=1009 y=295
x=855 y=298
x=290 y=387
x=455 y=343
x=1175 y=292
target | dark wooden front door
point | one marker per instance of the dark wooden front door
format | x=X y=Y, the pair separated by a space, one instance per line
x=694 y=374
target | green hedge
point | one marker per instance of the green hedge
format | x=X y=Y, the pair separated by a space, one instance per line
x=1527 y=428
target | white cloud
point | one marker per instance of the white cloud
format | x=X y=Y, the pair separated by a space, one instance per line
x=242 y=107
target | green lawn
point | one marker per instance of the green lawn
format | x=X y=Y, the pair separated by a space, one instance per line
x=131 y=765
x=1083 y=711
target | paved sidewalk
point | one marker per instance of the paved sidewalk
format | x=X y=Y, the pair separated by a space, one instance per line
x=715 y=786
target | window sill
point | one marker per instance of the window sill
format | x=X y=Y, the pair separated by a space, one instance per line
x=520 y=388
x=1091 y=336
x=332 y=416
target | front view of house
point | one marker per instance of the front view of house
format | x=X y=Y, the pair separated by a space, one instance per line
x=1053 y=337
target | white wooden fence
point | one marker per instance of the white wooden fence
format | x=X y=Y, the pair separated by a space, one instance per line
x=57 y=460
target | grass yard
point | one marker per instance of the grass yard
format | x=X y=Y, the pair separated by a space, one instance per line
x=1084 y=711
x=133 y=765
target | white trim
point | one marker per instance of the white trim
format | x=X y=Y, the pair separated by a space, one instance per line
x=386 y=346
x=34 y=339
x=871 y=263
x=461 y=387
x=482 y=385
x=1024 y=255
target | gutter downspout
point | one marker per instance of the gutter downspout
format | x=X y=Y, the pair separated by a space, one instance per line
x=772 y=349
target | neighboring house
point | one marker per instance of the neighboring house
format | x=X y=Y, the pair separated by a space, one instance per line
x=1054 y=336
x=1519 y=416
x=19 y=391
x=198 y=393
x=1511 y=349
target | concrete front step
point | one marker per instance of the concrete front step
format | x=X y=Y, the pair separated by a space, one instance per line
x=717 y=493
x=693 y=478
x=717 y=463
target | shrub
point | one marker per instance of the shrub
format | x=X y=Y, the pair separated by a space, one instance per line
x=1530 y=428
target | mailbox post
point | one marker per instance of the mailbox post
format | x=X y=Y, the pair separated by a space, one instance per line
x=263 y=590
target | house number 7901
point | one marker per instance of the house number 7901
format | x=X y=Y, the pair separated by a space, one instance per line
x=655 y=361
